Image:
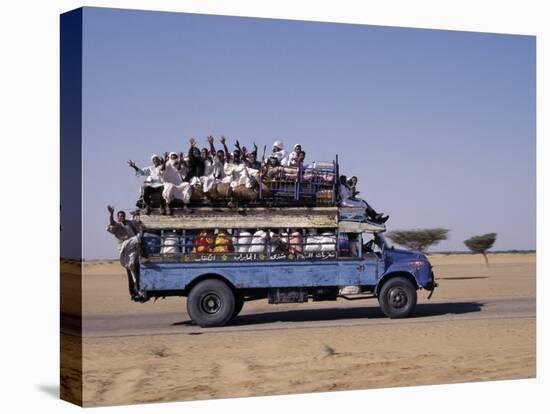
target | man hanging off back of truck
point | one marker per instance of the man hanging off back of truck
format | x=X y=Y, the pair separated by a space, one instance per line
x=126 y=232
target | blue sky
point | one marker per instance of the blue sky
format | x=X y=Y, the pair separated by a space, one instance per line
x=439 y=126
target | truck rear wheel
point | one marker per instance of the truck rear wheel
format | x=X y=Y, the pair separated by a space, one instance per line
x=397 y=297
x=211 y=303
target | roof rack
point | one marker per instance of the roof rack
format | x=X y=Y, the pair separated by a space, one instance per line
x=257 y=218
x=261 y=217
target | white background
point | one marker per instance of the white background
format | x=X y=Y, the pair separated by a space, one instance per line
x=29 y=125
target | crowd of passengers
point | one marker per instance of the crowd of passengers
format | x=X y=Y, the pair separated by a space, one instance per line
x=174 y=175
x=223 y=173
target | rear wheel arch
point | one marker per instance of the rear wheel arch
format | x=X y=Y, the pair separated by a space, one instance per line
x=206 y=276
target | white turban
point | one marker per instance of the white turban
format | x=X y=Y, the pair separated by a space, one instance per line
x=154 y=156
x=172 y=153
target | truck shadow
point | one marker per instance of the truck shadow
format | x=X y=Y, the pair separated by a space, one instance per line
x=329 y=314
x=462 y=278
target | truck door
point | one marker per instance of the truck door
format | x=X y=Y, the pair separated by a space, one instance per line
x=369 y=269
x=358 y=261
x=350 y=271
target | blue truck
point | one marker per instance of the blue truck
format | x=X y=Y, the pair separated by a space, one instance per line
x=221 y=258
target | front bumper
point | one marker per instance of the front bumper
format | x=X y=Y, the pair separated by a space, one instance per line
x=431 y=285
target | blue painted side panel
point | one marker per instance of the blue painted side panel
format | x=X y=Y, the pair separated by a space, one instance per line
x=176 y=276
x=369 y=270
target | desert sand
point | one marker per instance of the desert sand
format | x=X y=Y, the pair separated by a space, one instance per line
x=200 y=364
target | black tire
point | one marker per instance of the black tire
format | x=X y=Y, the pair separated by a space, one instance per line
x=397 y=297
x=239 y=303
x=211 y=303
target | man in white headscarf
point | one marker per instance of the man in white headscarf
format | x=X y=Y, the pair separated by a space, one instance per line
x=213 y=166
x=152 y=183
x=293 y=156
x=174 y=186
x=171 y=170
x=218 y=159
x=280 y=153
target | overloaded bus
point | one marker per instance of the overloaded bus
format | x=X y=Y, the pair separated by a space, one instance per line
x=220 y=258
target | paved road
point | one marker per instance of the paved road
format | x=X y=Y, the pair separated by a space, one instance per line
x=261 y=316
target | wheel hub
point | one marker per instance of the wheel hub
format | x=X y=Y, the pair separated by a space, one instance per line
x=397 y=297
x=211 y=303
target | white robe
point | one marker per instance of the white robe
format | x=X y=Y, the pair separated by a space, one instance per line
x=208 y=167
x=174 y=186
x=292 y=160
x=282 y=156
x=151 y=174
x=123 y=232
x=213 y=174
x=129 y=257
x=239 y=174
x=207 y=182
x=218 y=168
x=171 y=174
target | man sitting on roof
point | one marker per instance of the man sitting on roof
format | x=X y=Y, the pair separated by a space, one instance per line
x=347 y=199
x=301 y=157
x=174 y=186
x=272 y=166
x=280 y=153
x=213 y=166
x=218 y=158
x=208 y=158
x=196 y=161
x=153 y=182
x=227 y=154
x=352 y=184
x=294 y=155
x=252 y=159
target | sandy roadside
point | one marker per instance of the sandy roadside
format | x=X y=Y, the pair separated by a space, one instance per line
x=173 y=367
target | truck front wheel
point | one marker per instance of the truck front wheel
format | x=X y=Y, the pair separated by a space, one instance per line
x=397 y=297
x=211 y=303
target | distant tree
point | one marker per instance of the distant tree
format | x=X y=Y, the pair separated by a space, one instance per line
x=480 y=244
x=418 y=239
